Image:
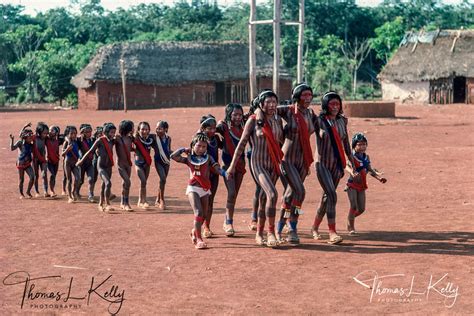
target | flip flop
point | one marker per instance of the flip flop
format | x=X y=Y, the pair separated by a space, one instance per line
x=353 y=233
x=229 y=230
x=253 y=226
x=259 y=240
x=335 y=240
x=316 y=235
x=200 y=245
x=272 y=242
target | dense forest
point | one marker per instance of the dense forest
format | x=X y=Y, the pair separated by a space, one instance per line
x=345 y=48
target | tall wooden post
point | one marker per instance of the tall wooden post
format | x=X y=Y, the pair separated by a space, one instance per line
x=276 y=45
x=300 y=70
x=122 y=71
x=252 y=55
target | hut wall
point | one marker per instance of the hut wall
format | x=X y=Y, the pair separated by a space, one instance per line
x=285 y=87
x=140 y=96
x=87 y=98
x=470 y=90
x=406 y=91
x=108 y=96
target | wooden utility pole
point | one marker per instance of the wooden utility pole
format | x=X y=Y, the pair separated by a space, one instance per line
x=252 y=55
x=276 y=44
x=122 y=71
x=300 y=71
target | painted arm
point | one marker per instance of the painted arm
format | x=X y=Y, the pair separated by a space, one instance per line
x=66 y=147
x=91 y=150
x=24 y=127
x=375 y=173
x=282 y=110
x=347 y=146
x=216 y=168
x=16 y=145
x=248 y=130
x=178 y=155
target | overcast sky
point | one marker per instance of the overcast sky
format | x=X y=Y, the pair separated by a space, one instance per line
x=34 y=6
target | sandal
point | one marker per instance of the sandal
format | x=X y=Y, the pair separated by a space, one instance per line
x=272 y=242
x=353 y=233
x=253 y=226
x=207 y=233
x=335 y=239
x=200 y=245
x=229 y=230
x=197 y=244
x=316 y=234
x=259 y=240
x=280 y=238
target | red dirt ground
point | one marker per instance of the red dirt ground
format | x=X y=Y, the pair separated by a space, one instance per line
x=418 y=226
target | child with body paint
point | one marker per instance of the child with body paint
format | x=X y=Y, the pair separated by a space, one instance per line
x=39 y=157
x=332 y=143
x=265 y=132
x=52 y=147
x=200 y=164
x=357 y=182
x=104 y=146
x=162 y=160
x=143 y=142
x=208 y=127
x=71 y=156
x=256 y=206
x=87 y=167
x=231 y=130
x=64 y=136
x=123 y=148
x=297 y=157
x=25 y=158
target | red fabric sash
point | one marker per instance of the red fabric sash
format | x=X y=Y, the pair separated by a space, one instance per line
x=231 y=147
x=108 y=149
x=204 y=182
x=86 y=146
x=273 y=149
x=338 y=141
x=304 y=138
x=36 y=152
x=145 y=153
x=23 y=166
x=53 y=149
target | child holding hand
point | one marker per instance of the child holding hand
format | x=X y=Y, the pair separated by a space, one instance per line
x=200 y=165
x=357 y=182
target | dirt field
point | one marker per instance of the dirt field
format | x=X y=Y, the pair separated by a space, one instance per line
x=415 y=254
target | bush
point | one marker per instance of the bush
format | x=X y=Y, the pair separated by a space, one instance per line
x=71 y=100
x=3 y=98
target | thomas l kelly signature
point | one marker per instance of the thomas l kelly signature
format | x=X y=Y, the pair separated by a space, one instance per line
x=435 y=286
x=102 y=289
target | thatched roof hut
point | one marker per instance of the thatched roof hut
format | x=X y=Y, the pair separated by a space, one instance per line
x=200 y=74
x=433 y=67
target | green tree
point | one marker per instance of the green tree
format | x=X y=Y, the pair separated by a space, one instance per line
x=387 y=39
x=25 y=41
x=327 y=67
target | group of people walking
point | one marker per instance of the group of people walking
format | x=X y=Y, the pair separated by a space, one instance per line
x=279 y=149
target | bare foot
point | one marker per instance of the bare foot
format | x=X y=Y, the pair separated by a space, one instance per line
x=53 y=194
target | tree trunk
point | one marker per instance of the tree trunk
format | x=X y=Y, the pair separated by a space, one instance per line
x=354 y=84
